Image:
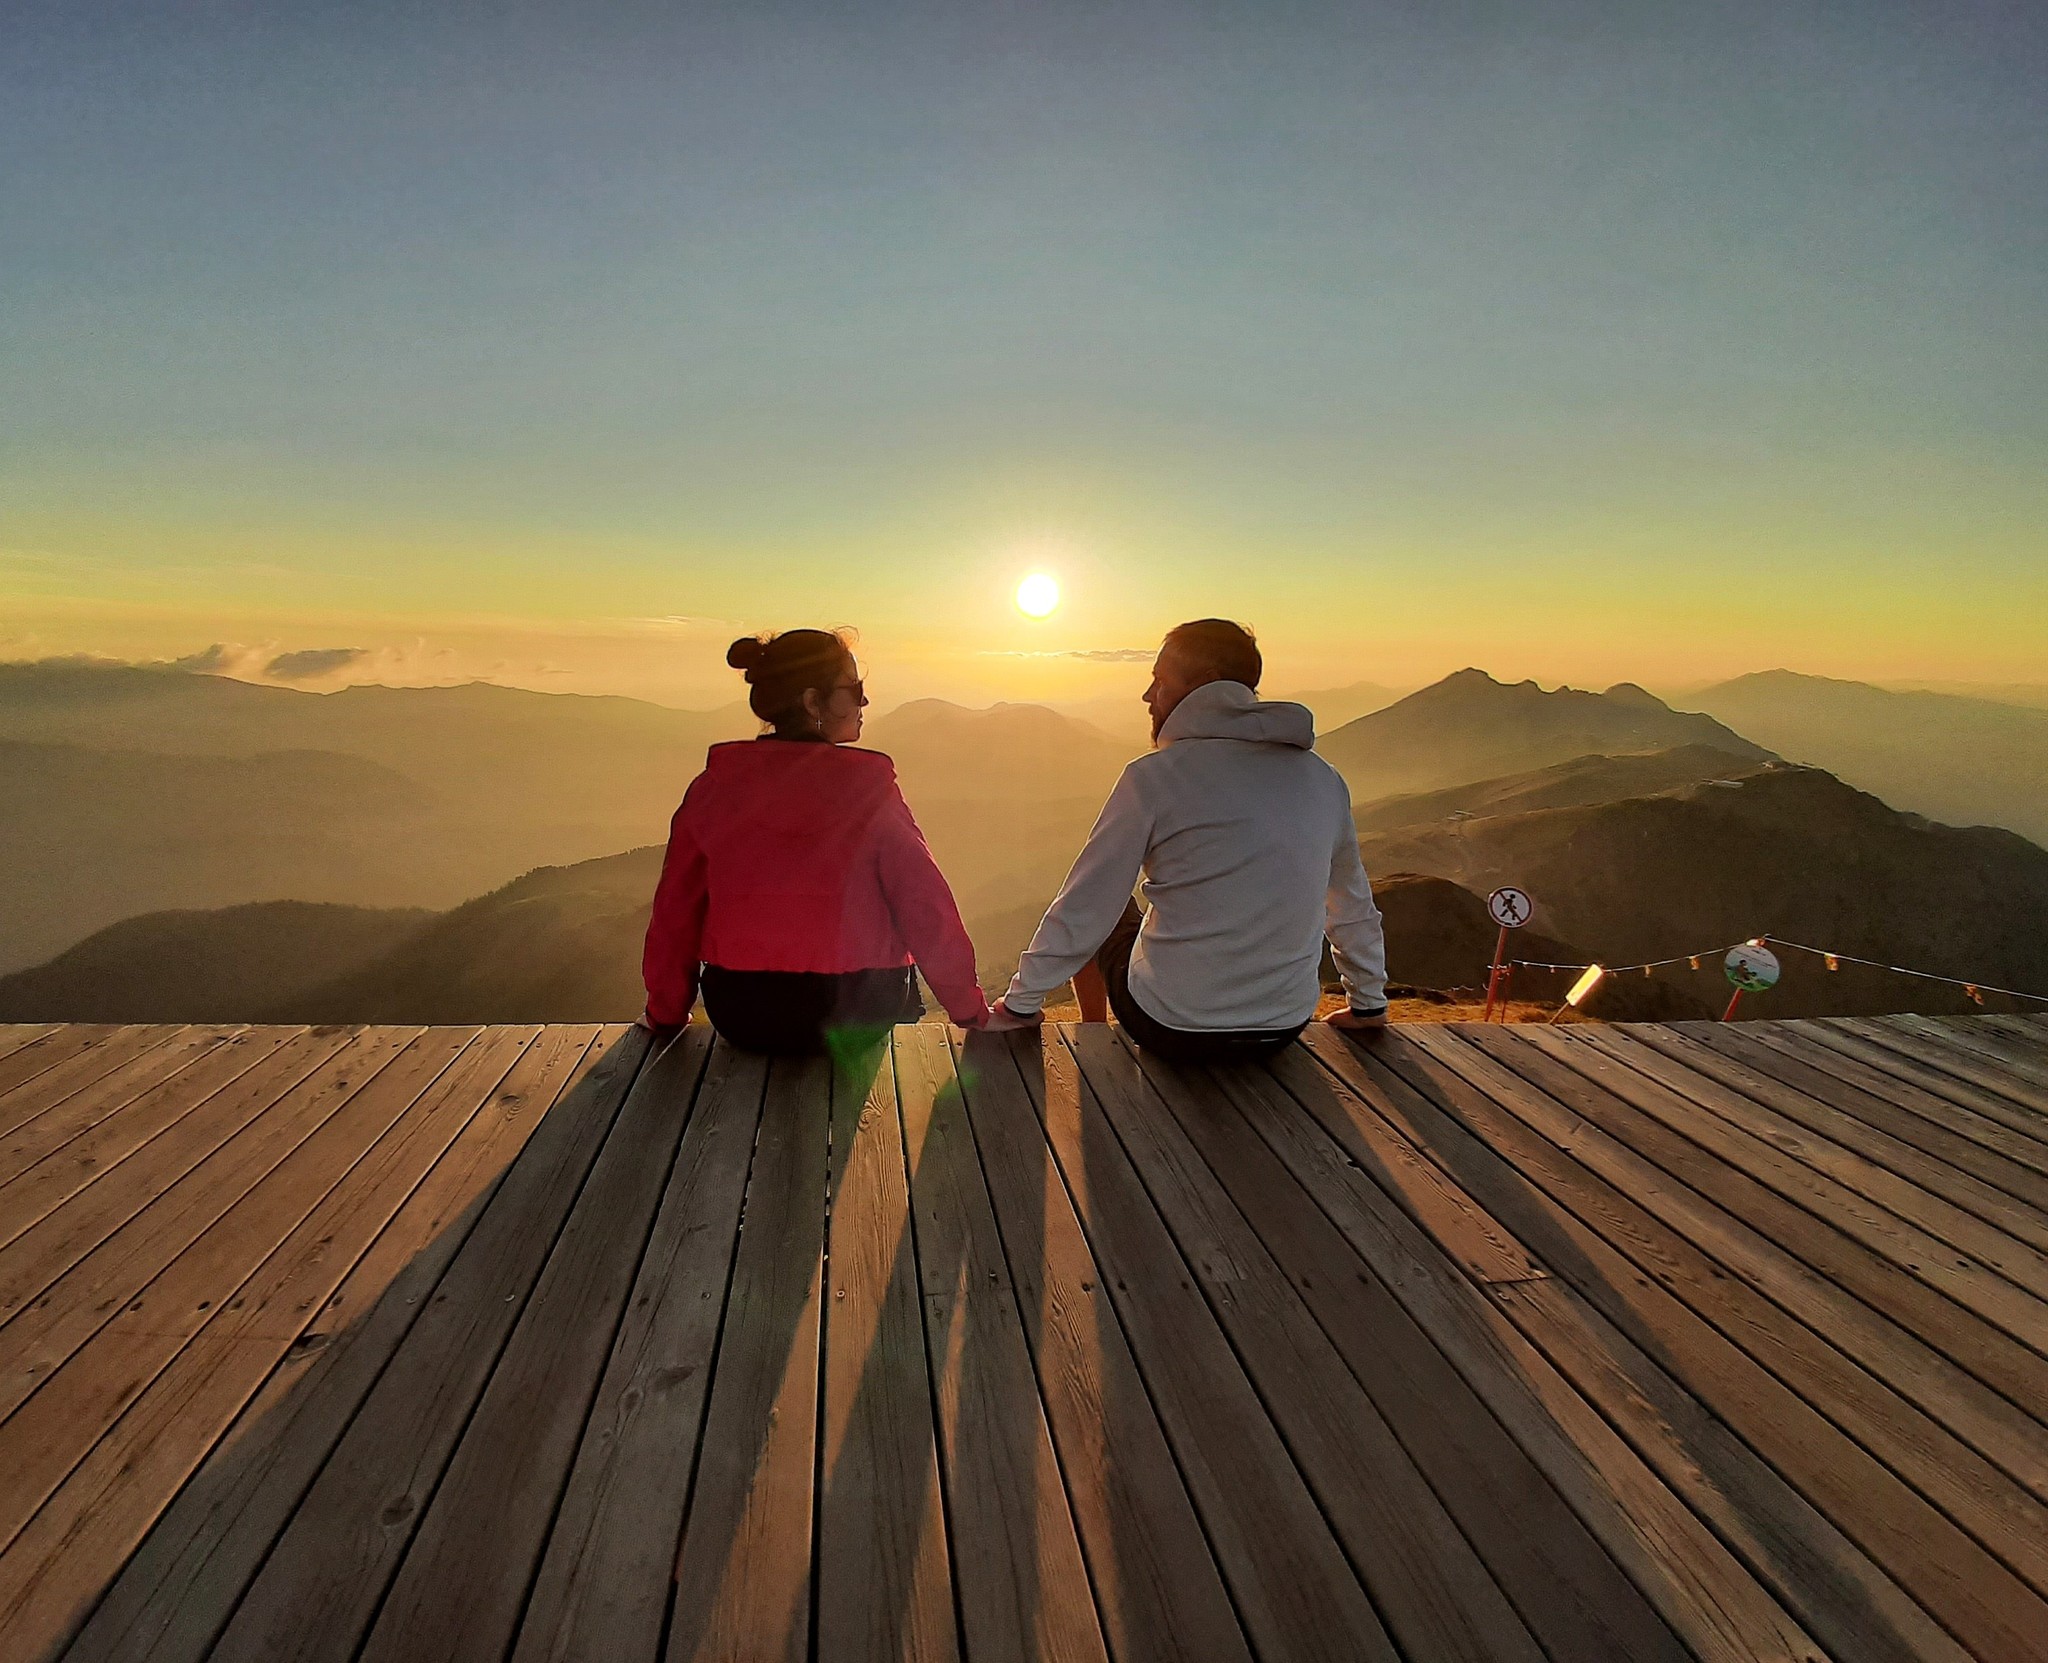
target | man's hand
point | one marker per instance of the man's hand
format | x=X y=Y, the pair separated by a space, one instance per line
x=662 y=1034
x=1355 y=1022
x=1003 y=1020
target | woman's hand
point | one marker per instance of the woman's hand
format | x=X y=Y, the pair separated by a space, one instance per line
x=1003 y=1020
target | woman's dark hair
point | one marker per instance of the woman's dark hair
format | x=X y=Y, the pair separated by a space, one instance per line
x=780 y=669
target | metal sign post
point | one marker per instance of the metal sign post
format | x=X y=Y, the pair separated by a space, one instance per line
x=1510 y=908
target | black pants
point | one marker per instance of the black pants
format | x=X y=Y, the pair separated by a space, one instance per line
x=1113 y=959
x=800 y=1013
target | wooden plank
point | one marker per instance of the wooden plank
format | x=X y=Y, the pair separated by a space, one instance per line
x=51 y=1325
x=1159 y=1593
x=1755 y=1181
x=181 y=1585
x=1771 y=1122
x=743 y=1576
x=1826 y=1580
x=2024 y=1068
x=55 y=1428
x=884 y=1571
x=605 y=1579
x=1989 y=1153
x=1018 y=1570
x=1296 y=1592
x=460 y=1589
x=75 y=1107
x=1930 y=1350
x=1937 y=1051
x=1818 y=1100
x=1559 y=1579
x=323 y=1580
x=1740 y=1277
x=60 y=1563
x=41 y=1254
x=40 y=1189
x=1705 y=1594
x=1949 y=1570
x=2033 y=1030
x=25 y=1088
x=16 y=1035
x=1956 y=1103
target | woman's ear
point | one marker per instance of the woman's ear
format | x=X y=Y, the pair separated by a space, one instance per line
x=814 y=705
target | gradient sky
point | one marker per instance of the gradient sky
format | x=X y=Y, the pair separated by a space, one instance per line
x=557 y=342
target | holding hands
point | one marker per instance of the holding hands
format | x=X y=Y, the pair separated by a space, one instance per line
x=1002 y=1020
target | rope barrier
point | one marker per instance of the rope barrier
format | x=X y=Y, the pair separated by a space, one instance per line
x=1834 y=962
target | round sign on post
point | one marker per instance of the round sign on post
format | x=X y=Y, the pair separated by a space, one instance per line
x=1510 y=908
x=1752 y=967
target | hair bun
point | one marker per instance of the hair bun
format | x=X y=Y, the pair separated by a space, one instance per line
x=746 y=654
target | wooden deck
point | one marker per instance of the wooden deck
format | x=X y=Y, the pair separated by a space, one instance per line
x=1631 y=1343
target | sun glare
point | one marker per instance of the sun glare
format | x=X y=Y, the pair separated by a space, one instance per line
x=1037 y=595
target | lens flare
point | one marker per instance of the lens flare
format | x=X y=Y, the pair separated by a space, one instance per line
x=1038 y=595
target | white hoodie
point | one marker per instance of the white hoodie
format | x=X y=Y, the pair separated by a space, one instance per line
x=1249 y=854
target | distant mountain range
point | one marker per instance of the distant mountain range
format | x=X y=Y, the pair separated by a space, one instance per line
x=1469 y=727
x=1968 y=761
x=153 y=789
x=1642 y=831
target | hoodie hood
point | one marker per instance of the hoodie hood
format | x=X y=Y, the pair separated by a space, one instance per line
x=1231 y=710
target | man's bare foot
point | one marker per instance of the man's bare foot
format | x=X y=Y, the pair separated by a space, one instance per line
x=1352 y=1022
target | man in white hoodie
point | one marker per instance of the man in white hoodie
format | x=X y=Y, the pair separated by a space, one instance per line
x=1249 y=856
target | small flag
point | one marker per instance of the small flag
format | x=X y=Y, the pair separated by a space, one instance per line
x=1693 y=961
x=1971 y=989
x=1833 y=962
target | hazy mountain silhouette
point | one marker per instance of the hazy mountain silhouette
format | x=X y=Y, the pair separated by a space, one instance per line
x=1968 y=761
x=1584 y=779
x=439 y=792
x=1469 y=727
x=233 y=964
x=1335 y=706
x=1787 y=851
x=88 y=837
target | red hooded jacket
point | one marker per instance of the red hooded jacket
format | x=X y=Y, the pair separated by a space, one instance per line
x=794 y=856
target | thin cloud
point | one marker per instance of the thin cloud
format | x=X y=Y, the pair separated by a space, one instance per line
x=1091 y=655
x=313 y=661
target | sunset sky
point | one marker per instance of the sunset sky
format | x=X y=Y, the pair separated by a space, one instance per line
x=557 y=343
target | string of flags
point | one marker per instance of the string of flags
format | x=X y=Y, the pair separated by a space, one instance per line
x=1751 y=966
x=1974 y=991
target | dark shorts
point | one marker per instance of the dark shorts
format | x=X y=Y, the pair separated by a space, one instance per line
x=1113 y=959
x=800 y=1013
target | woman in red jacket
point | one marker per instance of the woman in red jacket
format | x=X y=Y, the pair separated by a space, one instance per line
x=798 y=892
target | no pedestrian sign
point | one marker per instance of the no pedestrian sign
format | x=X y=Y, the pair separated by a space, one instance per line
x=1510 y=907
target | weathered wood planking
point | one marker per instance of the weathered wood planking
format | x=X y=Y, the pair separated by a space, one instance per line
x=745 y=1573
x=177 y=1592
x=1473 y=1343
x=1160 y=1594
x=1017 y=1563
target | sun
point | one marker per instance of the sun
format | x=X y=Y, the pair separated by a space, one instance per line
x=1038 y=595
